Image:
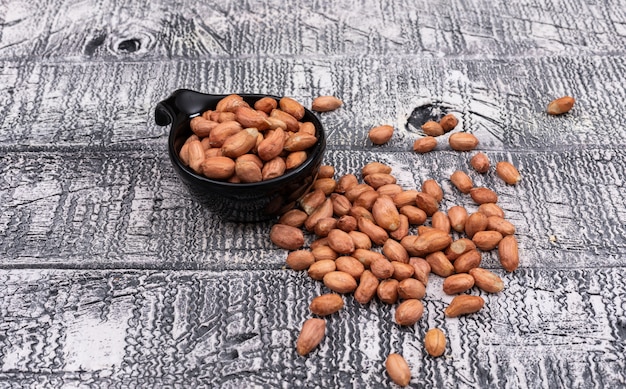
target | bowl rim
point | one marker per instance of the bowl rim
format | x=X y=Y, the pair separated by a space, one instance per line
x=182 y=118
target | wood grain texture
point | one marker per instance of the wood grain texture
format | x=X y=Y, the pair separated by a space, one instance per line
x=58 y=105
x=122 y=29
x=112 y=276
x=207 y=329
x=128 y=209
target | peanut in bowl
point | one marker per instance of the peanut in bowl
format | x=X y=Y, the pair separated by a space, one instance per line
x=248 y=157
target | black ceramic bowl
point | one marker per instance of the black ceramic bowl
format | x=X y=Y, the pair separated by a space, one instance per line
x=242 y=202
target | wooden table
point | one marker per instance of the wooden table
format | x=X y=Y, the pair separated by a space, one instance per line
x=112 y=276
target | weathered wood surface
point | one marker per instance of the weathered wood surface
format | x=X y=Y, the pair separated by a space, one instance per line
x=111 y=276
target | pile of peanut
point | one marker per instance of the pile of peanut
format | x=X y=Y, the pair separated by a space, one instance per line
x=366 y=246
x=239 y=143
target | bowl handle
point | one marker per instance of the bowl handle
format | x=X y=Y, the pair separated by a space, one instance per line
x=183 y=101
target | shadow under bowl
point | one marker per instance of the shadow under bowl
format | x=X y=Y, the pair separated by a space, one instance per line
x=241 y=202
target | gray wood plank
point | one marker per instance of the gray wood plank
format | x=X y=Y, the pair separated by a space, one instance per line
x=207 y=329
x=128 y=209
x=55 y=105
x=125 y=30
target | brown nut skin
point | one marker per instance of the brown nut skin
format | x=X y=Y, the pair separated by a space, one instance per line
x=435 y=342
x=326 y=185
x=295 y=159
x=448 y=122
x=326 y=171
x=311 y=334
x=317 y=243
x=462 y=181
x=409 y=312
x=415 y=215
x=322 y=252
x=480 y=162
x=324 y=226
x=293 y=217
x=266 y=104
x=377 y=180
x=381 y=267
x=350 y=265
x=356 y=190
x=483 y=195
x=491 y=209
x=312 y=200
x=508 y=172
x=406 y=197
x=433 y=188
x=341 y=204
x=291 y=122
x=375 y=167
x=458 y=216
x=286 y=237
x=467 y=261
x=319 y=269
x=487 y=280
x=398 y=370
x=248 y=171
x=201 y=126
x=219 y=168
x=440 y=221
x=361 y=240
x=463 y=141
x=340 y=241
x=458 y=283
x=422 y=269
x=230 y=103
x=464 y=304
x=366 y=199
x=326 y=304
x=195 y=155
x=508 y=253
x=326 y=103
x=402 y=271
x=292 y=107
x=561 y=105
x=323 y=211
x=387 y=291
x=403 y=229
x=381 y=134
x=487 y=240
x=367 y=256
x=459 y=247
x=368 y=285
x=340 y=282
x=424 y=244
x=432 y=128
x=359 y=212
x=307 y=128
x=503 y=226
x=476 y=222
x=251 y=118
x=222 y=131
x=425 y=144
x=427 y=203
x=411 y=288
x=348 y=224
x=440 y=264
x=300 y=259
x=377 y=234
x=390 y=190
x=394 y=251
